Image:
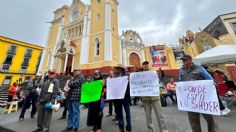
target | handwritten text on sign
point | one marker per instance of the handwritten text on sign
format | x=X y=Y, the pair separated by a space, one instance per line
x=198 y=96
x=116 y=87
x=144 y=84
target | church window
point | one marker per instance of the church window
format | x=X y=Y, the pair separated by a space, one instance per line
x=76 y=31
x=75 y=15
x=97 y=47
x=73 y=33
x=234 y=27
x=98 y=17
x=80 y=30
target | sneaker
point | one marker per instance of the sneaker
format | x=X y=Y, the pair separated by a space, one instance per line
x=85 y=107
x=226 y=111
x=114 y=119
x=67 y=129
x=116 y=123
x=38 y=130
x=75 y=130
x=108 y=115
x=21 y=120
x=63 y=117
x=99 y=130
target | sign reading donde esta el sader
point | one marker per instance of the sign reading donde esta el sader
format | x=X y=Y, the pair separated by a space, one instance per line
x=144 y=84
x=198 y=96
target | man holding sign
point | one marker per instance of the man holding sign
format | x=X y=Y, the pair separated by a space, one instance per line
x=149 y=90
x=118 y=89
x=191 y=72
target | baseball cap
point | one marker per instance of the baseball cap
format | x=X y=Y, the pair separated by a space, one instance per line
x=186 y=57
x=52 y=72
x=145 y=63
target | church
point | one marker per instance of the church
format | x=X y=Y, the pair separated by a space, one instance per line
x=87 y=37
x=83 y=36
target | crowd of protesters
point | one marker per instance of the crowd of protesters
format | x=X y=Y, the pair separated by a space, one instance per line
x=42 y=94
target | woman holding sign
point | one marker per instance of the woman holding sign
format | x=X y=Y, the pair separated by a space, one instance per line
x=95 y=109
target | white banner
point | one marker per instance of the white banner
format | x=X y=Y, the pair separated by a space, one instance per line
x=144 y=84
x=198 y=96
x=116 y=87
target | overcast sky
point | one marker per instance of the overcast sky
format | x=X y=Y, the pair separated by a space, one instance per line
x=157 y=21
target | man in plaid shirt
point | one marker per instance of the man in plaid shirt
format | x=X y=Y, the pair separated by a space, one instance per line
x=74 y=101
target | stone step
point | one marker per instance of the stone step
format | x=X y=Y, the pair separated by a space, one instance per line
x=5 y=95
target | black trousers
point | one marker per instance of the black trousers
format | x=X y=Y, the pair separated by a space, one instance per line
x=119 y=105
x=110 y=107
x=29 y=97
x=64 y=114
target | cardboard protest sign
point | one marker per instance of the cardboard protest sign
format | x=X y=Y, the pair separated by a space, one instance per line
x=116 y=87
x=198 y=96
x=144 y=84
x=91 y=91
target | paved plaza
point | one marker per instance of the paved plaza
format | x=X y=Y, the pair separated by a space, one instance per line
x=177 y=121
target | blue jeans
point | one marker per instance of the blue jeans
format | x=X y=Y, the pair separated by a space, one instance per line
x=73 y=114
x=119 y=112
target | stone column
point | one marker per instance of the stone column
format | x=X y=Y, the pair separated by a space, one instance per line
x=65 y=64
x=108 y=36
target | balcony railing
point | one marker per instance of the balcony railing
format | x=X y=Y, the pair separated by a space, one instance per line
x=22 y=70
x=28 y=55
x=12 y=52
x=4 y=68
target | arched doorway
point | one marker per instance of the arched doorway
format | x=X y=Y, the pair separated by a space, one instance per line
x=134 y=60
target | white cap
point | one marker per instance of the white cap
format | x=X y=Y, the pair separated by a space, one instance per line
x=38 y=75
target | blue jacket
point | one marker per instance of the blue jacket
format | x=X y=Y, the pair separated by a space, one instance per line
x=195 y=72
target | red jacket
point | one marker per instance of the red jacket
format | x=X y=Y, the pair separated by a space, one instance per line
x=12 y=90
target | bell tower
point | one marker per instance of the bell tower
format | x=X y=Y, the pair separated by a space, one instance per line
x=104 y=38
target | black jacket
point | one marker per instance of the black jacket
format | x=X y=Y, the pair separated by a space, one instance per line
x=46 y=96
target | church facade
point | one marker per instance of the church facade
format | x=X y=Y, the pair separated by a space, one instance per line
x=83 y=36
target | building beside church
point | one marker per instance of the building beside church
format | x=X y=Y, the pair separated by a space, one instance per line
x=134 y=52
x=19 y=61
x=222 y=30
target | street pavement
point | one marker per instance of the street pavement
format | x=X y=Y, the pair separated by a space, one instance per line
x=177 y=121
